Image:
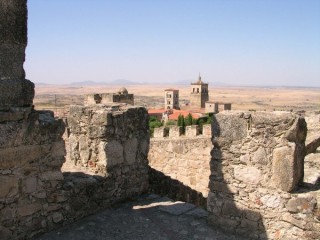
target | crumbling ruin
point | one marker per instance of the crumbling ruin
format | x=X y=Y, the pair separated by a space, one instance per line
x=249 y=172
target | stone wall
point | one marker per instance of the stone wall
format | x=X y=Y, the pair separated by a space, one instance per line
x=31 y=155
x=184 y=159
x=108 y=163
x=256 y=182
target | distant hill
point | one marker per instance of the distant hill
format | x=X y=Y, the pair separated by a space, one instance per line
x=85 y=83
x=122 y=82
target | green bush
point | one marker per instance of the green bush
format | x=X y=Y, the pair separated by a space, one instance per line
x=182 y=123
x=171 y=123
x=154 y=123
x=188 y=120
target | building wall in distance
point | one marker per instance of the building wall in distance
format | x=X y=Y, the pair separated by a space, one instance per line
x=171 y=99
x=107 y=98
x=199 y=95
x=216 y=107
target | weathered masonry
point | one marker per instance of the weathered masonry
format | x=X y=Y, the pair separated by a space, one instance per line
x=255 y=164
x=249 y=171
x=109 y=141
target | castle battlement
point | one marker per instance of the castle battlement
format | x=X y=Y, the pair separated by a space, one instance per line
x=177 y=131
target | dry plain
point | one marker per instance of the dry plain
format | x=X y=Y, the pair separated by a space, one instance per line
x=59 y=97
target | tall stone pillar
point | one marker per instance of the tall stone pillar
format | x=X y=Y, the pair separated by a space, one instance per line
x=15 y=90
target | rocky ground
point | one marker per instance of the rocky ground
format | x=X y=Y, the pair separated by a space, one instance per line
x=148 y=217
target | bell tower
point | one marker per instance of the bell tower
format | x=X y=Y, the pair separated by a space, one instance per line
x=199 y=93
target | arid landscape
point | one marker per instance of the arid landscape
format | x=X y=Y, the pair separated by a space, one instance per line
x=58 y=98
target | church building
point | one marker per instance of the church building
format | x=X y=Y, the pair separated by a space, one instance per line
x=199 y=94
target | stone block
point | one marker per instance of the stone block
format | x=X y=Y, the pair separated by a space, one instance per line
x=110 y=153
x=11 y=116
x=206 y=130
x=298 y=131
x=159 y=132
x=271 y=201
x=247 y=174
x=286 y=173
x=301 y=204
x=30 y=185
x=16 y=93
x=175 y=131
x=229 y=125
x=8 y=184
x=29 y=209
x=192 y=131
x=102 y=118
x=52 y=176
x=287 y=217
x=260 y=156
x=57 y=217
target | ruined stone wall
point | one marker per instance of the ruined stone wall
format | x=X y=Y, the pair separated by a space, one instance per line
x=31 y=155
x=256 y=182
x=106 y=139
x=107 y=98
x=180 y=165
x=108 y=163
x=35 y=195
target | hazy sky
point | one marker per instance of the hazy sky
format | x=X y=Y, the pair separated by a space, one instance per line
x=242 y=42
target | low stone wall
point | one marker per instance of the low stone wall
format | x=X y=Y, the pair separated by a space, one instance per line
x=182 y=159
x=256 y=182
x=31 y=196
x=107 y=148
x=109 y=164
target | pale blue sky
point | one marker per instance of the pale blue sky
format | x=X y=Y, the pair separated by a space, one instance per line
x=240 y=42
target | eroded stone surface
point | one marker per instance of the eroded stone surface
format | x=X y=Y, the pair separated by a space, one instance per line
x=253 y=169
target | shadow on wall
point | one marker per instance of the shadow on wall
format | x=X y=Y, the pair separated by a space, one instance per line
x=164 y=185
x=36 y=196
x=226 y=208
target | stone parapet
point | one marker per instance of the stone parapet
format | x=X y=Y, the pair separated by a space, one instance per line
x=31 y=155
x=158 y=132
x=104 y=136
x=184 y=159
x=106 y=162
x=256 y=167
x=175 y=131
x=207 y=130
x=192 y=131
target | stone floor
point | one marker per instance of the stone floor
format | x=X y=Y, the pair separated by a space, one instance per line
x=149 y=217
